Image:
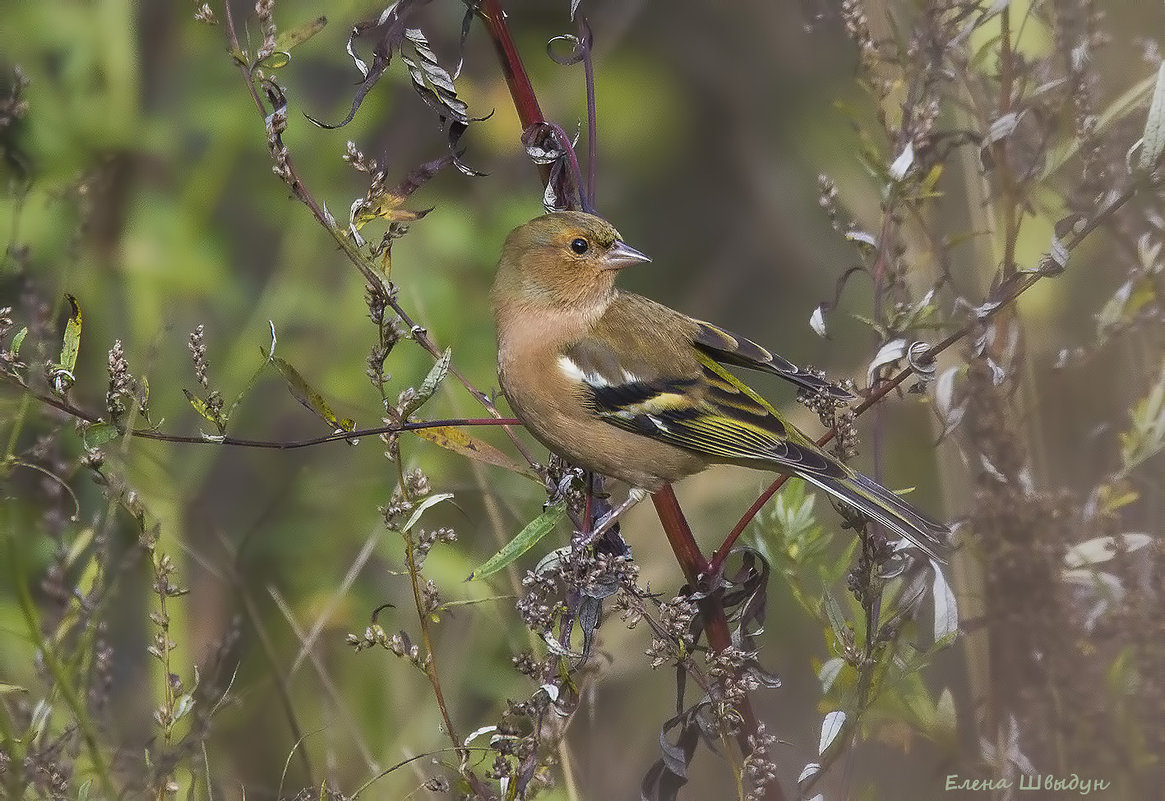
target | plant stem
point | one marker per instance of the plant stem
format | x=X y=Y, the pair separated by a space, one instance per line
x=61 y=682
x=695 y=568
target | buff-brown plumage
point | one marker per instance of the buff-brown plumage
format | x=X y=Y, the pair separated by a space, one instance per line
x=624 y=386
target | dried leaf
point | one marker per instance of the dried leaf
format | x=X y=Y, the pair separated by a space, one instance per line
x=831 y=726
x=829 y=672
x=946 y=608
x=455 y=439
x=817 y=320
x=1153 y=139
x=1101 y=549
x=810 y=770
x=902 y=163
x=889 y=353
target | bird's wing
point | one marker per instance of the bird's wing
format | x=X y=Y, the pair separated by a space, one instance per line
x=728 y=348
x=695 y=403
x=690 y=400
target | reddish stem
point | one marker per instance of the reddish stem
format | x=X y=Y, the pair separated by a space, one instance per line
x=717 y=562
x=679 y=534
x=521 y=90
x=696 y=568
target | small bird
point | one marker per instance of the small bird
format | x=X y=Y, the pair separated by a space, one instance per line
x=629 y=388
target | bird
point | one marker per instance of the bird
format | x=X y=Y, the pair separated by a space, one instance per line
x=624 y=386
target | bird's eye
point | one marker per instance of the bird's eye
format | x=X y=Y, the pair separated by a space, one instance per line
x=580 y=246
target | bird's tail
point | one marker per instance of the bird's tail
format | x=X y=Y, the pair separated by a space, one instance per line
x=881 y=505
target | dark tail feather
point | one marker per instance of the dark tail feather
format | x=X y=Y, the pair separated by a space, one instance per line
x=883 y=506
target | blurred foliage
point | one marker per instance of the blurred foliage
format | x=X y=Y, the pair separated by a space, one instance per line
x=138 y=181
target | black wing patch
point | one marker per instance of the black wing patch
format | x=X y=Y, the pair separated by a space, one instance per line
x=728 y=423
x=733 y=349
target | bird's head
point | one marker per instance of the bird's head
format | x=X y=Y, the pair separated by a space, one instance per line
x=564 y=258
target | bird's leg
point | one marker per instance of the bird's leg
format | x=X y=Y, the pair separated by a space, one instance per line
x=612 y=517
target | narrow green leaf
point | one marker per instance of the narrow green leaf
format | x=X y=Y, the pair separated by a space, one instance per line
x=945 y=715
x=429 y=386
x=205 y=411
x=286 y=40
x=71 y=343
x=427 y=503
x=18 y=340
x=527 y=538
x=836 y=617
x=5 y=689
x=306 y=394
x=80 y=545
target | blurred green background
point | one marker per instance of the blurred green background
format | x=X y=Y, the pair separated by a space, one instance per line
x=152 y=201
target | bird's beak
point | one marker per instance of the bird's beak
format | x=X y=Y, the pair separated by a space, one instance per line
x=622 y=255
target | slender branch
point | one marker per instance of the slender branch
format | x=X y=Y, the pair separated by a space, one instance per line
x=430 y=656
x=281 y=445
x=588 y=60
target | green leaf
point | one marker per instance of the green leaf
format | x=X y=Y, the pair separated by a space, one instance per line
x=18 y=340
x=94 y=435
x=183 y=705
x=945 y=716
x=428 y=502
x=296 y=36
x=836 y=618
x=71 y=343
x=527 y=538
x=204 y=411
x=429 y=386
x=1146 y=438
x=306 y=394
x=5 y=689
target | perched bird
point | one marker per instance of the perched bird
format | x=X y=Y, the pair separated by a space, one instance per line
x=629 y=388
